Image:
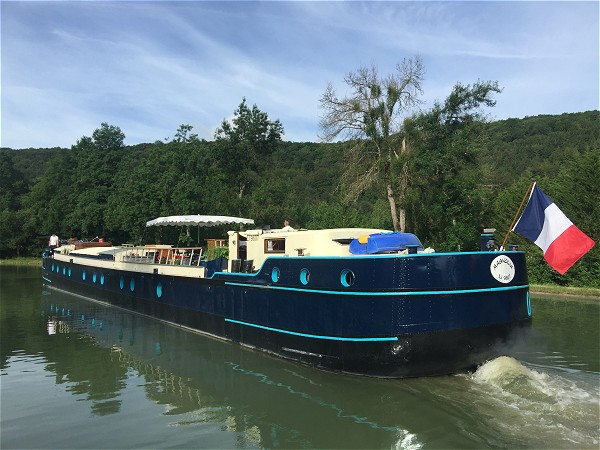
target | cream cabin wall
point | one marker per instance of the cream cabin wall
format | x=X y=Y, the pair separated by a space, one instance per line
x=297 y=243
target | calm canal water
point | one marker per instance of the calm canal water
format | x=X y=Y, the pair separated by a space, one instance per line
x=77 y=374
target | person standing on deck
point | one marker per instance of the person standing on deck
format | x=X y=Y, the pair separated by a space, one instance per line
x=53 y=243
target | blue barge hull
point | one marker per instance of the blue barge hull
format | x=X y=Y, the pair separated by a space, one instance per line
x=375 y=315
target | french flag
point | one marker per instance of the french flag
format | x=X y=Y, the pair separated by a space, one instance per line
x=546 y=226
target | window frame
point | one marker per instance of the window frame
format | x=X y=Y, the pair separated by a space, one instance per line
x=277 y=245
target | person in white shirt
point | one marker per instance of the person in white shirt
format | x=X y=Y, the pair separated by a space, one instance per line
x=286 y=226
x=53 y=243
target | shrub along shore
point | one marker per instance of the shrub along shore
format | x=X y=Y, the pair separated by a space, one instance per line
x=592 y=293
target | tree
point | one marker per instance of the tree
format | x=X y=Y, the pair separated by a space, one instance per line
x=245 y=145
x=50 y=201
x=108 y=138
x=445 y=194
x=182 y=135
x=369 y=119
x=97 y=159
x=12 y=187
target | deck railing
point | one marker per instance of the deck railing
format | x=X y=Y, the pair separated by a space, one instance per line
x=180 y=256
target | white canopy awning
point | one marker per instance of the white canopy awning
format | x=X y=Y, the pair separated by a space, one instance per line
x=197 y=220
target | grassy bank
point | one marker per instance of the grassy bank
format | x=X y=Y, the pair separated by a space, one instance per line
x=537 y=288
x=565 y=290
x=25 y=261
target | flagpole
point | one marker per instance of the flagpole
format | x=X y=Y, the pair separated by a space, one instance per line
x=517 y=214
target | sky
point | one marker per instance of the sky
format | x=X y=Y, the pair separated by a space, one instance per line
x=150 y=66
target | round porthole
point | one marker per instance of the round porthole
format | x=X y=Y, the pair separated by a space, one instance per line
x=69 y=271
x=275 y=274
x=347 y=278
x=94 y=278
x=83 y=275
x=159 y=290
x=102 y=279
x=304 y=276
x=132 y=285
x=121 y=282
x=528 y=305
x=52 y=267
x=64 y=270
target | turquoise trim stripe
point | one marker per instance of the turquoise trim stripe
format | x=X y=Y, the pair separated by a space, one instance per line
x=380 y=293
x=49 y=281
x=313 y=336
x=394 y=255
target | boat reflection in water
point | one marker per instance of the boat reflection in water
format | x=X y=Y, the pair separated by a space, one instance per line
x=199 y=379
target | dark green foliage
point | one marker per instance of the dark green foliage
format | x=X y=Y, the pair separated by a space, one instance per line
x=445 y=194
x=539 y=144
x=32 y=162
x=465 y=175
x=97 y=158
x=47 y=206
x=244 y=148
x=12 y=187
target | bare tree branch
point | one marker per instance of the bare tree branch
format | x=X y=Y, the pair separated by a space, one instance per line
x=371 y=113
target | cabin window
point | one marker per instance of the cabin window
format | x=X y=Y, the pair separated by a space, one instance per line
x=275 y=245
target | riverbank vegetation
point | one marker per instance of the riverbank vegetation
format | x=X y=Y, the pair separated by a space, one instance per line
x=592 y=293
x=457 y=174
x=22 y=261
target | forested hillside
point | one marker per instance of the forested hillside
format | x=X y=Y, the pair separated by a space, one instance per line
x=458 y=177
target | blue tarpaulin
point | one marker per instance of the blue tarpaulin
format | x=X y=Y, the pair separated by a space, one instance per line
x=384 y=243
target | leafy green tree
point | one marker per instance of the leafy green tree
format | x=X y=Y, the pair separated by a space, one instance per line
x=32 y=162
x=163 y=179
x=445 y=199
x=12 y=187
x=369 y=118
x=97 y=159
x=245 y=145
x=49 y=202
x=12 y=183
x=538 y=144
x=184 y=134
